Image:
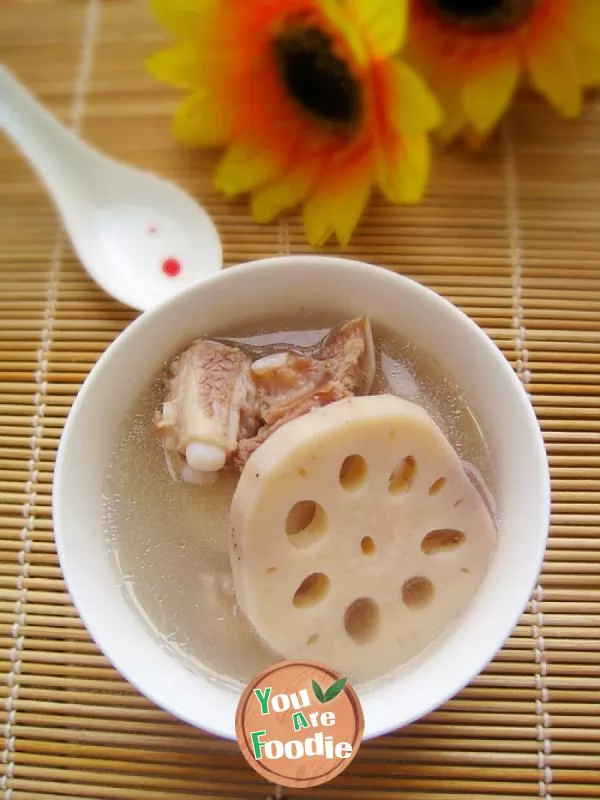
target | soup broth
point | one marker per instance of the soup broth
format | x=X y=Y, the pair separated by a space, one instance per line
x=168 y=541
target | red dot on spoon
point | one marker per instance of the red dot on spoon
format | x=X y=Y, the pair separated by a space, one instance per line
x=171 y=267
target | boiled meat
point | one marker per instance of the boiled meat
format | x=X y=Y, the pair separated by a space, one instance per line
x=210 y=404
x=291 y=384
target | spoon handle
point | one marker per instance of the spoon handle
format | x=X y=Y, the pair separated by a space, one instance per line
x=50 y=148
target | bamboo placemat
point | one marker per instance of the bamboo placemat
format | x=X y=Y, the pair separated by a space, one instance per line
x=511 y=235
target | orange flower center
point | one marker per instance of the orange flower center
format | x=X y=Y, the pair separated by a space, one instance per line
x=484 y=15
x=320 y=82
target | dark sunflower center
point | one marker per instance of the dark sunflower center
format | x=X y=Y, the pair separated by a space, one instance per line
x=485 y=15
x=319 y=81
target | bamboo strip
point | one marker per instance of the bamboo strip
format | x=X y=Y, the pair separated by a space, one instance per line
x=45 y=779
x=45 y=782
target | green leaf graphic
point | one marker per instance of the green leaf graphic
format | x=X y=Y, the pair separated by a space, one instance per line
x=318 y=692
x=334 y=690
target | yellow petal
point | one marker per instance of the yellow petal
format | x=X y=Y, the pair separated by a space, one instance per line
x=183 y=18
x=403 y=175
x=326 y=212
x=242 y=169
x=588 y=66
x=585 y=22
x=348 y=210
x=553 y=71
x=267 y=203
x=383 y=23
x=454 y=119
x=485 y=97
x=177 y=65
x=337 y=16
x=448 y=96
x=199 y=123
x=413 y=107
x=317 y=227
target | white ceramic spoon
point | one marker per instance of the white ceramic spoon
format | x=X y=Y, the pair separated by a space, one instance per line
x=139 y=237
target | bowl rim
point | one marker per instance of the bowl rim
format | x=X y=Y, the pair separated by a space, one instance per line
x=75 y=586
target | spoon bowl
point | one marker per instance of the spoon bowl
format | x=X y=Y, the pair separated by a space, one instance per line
x=140 y=237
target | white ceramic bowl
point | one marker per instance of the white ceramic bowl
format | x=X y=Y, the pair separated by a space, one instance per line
x=246 y=293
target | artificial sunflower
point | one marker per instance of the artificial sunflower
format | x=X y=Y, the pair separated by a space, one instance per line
x=473 y=54
x=309 y=99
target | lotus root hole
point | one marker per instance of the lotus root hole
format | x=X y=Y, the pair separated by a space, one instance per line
x=437 y=486
x=403 y=476
x=361 y=620
x=417 y=592
x=442 y=540
x=306 y=524
x=353 y=473
x=368 y=546
x=312 y=590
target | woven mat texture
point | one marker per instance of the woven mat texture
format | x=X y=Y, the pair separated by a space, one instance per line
x=511 y=235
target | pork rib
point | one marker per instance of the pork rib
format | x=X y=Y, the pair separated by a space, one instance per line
x=210 y=404
x=290 y=385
